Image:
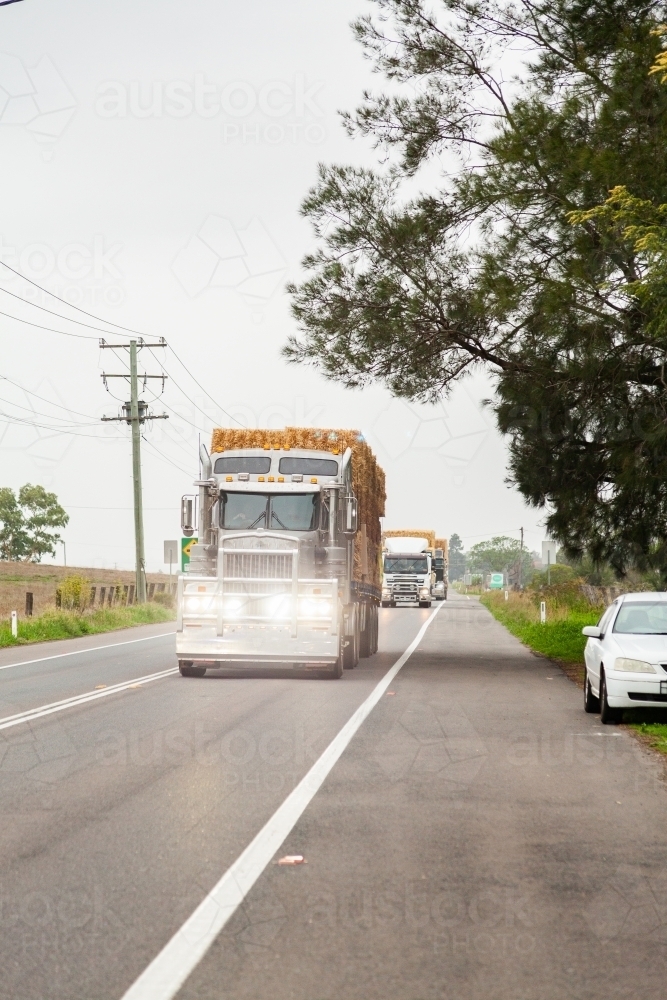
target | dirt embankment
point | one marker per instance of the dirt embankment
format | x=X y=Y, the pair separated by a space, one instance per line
x=43 y=579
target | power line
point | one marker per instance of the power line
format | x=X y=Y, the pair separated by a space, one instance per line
x=13 y=419
x=203 y=389
x=67 y=319
x=44 y=399
x=69 y=305
x=84 y=312
x=164 y=457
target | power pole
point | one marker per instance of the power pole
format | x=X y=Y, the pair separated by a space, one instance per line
x=521 y=561
x=135 y=413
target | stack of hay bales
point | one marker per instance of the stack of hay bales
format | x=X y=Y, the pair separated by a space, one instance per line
x=442 y=543
x=414 y=533
x=368 y=480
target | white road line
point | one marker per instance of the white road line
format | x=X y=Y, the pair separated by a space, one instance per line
x=10 y=721
x=168 y=971
x=93 y=649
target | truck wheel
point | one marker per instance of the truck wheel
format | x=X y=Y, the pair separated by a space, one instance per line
x=351 y=651
x=366 y=637
x=424 y=604
x=187 y=670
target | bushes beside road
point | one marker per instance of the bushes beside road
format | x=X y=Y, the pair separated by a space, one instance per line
x=59 y=624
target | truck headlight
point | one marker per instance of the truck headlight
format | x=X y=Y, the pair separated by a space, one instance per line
x=424 y=592
x=314 y=608
x=633 y=666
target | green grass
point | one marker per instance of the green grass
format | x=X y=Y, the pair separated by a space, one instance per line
x=70 y=624
x=559 y=639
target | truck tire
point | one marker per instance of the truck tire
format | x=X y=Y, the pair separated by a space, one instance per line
x=187 y=670
x=351 y=651
x=366 y=637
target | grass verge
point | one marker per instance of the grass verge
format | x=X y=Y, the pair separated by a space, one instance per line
x=70 y=624
x=561 y=640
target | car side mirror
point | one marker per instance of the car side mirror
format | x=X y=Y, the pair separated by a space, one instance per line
x=592 y=631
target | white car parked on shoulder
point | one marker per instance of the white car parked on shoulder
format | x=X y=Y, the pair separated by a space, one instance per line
x=626 y=657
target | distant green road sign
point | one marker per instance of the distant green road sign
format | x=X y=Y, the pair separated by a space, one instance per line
x=186 y=545
x=496 y=582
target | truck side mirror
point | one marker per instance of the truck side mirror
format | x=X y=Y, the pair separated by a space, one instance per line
x=188 y=516
x=350 y=514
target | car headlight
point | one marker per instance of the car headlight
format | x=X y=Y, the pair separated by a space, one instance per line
x=633 y=666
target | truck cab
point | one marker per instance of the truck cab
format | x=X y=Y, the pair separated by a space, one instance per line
x=406 y=579
x=270 y=581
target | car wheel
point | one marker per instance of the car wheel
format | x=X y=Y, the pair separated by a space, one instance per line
x=607 y=713
x=591 y=703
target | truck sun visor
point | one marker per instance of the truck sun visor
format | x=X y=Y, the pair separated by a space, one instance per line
x=256 y=465
x=308 y=466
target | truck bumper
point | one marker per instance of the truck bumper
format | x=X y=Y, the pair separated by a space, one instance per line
x=257 y=646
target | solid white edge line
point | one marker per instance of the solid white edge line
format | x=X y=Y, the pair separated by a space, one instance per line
x=93 y=649
x=163 y=978
x=31 y=714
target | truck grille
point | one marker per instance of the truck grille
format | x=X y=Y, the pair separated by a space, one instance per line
x=258 y=565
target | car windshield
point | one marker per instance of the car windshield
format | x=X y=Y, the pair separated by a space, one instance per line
x=289 y=511
x=403 y=564
x=642 y=618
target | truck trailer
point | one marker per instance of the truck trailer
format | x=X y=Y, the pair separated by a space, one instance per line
x=285 y=573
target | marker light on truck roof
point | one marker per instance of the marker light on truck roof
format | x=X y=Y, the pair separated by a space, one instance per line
x=229 y=479
x=260 y=479
x=313 y=480
x=281 y=479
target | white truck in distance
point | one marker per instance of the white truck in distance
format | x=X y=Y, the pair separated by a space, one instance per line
x=406 y=573
x=282 y=576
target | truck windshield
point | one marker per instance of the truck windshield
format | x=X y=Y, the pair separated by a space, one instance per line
x=405 y=564
x=287 y=511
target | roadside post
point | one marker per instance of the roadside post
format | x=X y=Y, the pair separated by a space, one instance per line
x=171 y=556
x=507 y=595
x=15 y=624
x=543 y=612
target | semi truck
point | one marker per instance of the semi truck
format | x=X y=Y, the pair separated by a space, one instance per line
x=440 y=569
x=407 y=569
x=285 y=572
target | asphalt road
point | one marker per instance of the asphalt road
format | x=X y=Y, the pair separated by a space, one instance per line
x=480 y=837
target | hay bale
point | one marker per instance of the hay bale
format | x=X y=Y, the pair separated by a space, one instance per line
x=368 y=479
x=415 y=533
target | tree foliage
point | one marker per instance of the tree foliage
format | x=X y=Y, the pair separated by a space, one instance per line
x=516 y=258
x=28 y=522
x=501 y=554
x=457 y=558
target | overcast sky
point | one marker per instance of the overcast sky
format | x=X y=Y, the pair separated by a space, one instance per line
x=154 y=156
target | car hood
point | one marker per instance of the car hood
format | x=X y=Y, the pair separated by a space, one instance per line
x=652 y=648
